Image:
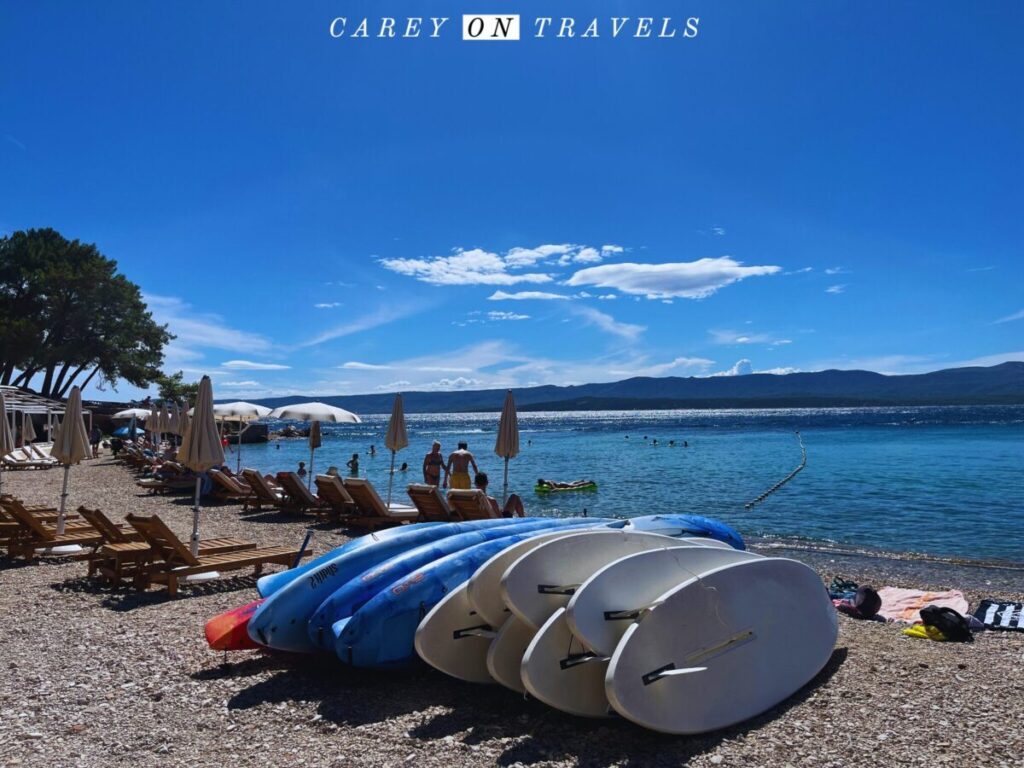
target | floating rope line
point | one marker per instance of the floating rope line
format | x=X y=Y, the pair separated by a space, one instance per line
x=786 y=479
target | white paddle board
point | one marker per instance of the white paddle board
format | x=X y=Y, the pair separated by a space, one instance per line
x=559 y=671
x=505 y=654
x=544 y=579
x=723 y=648
x=609 y=601
x=454 y=639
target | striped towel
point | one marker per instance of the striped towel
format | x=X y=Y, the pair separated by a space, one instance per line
x=1001 y=615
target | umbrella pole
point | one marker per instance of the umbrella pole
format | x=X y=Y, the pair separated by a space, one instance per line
x=309 y=475
x=63 y=501
x=391 y=478
x=238 y=471
x=194 y=541
x=504 y=499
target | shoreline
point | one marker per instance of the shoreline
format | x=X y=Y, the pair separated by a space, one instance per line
x=97 y=677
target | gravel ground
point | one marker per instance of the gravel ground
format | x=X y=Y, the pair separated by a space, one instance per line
x=95 y=677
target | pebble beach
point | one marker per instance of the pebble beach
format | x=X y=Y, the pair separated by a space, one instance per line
x=98 y=677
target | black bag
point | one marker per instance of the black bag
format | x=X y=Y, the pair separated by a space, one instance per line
x=950 y=623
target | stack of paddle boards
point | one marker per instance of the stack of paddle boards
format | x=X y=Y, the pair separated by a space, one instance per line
x=365 y=600
x=681 y=635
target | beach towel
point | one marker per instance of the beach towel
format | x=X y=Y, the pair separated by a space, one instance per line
x=905 y=604
x=996 y=615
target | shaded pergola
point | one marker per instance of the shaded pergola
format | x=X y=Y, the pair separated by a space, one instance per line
x=21 y=401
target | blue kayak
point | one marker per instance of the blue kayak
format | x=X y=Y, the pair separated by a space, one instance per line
x=688 y=525
x=269 y=584
x=281 y=621
x=353 y=595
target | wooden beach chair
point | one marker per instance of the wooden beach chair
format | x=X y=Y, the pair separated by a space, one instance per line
x=372 y=511
x=332 y=493
x=124 y=552
x=32 y=534
x=263 y=493
x=229 y=488
x=298 y=497
x=177 y=560
x=20 y=459
x=470 y=505
x=431 y=503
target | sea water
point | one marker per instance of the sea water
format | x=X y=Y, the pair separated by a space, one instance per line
x=945 y=481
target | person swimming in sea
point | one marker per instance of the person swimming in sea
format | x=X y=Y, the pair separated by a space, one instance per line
x=551 y=484
x=353 y=465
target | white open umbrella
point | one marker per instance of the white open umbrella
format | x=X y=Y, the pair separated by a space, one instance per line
x=132 y=413
x=6 y=438
x=507 y=443
x=315 y=442
x=315 y=412
x=396 y=438
x=70 y=446
x=243 y=412
x=200 y=448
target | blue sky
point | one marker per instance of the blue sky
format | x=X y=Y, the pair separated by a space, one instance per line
x=801 y=186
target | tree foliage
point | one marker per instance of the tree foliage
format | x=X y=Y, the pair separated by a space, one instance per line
x=66 y=313
x=173 y=388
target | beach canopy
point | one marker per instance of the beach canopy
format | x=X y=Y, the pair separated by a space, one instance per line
x=70 y=446
x=396 y=438
x=126 y=432
x=201 y=448
x=132 y=413
x=315 y=412
x=506 y=444
x=6 y=437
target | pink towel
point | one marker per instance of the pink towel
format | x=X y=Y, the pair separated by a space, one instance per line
x=906 y=604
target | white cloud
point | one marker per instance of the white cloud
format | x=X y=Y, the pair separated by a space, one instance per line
x=801 y=271
x=608 y=297
x=718 y=230
x=740 y=368
x=611 y=250
x=779 y=371
x=989 y=360
x=385 y=314
x=837 y=271
x=238 y=384
x=327 y=304
x=738 y=337
x=249 y=365
x=357 y=366
x=393 y=386
x=506 y=316
x=609 y=324
x=835 y=289
x=1011 y=318
x=678 y=365
x=525 y=296
x=690 y=280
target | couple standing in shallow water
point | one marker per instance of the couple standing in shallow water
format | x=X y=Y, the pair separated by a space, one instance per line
x=456 y=473
x=456 y=469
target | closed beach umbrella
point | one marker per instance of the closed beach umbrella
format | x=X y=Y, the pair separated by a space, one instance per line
x=6 y=438
x=315 y=412
x=507 y=443
x=244 y=412
x=174 y=420
x=70 y=445
x=200 y=448
x=28 y=432
x=396 y=438
x=314 y=442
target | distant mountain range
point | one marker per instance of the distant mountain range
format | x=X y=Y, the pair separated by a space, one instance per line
x=999 y=384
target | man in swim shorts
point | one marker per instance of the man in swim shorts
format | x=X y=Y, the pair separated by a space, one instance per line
x=433 y=463
x=457 y=469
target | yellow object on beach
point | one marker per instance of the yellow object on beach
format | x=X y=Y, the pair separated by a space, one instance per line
x=926 y=631
x=459 y=481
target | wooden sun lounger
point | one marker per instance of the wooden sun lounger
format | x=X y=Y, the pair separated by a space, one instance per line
x=372 y=511
x=298 y=497
x=331 y=492
x=124 y=553
x=228 y=487
x=470 y=505
x=263 y=494
x=21 y=459
x=33 y=534
x=177 y=560
x=430 y=502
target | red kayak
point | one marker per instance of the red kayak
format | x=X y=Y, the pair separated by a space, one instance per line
x=230 y=631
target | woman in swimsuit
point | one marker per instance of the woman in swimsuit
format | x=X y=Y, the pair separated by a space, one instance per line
x=433 y=463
